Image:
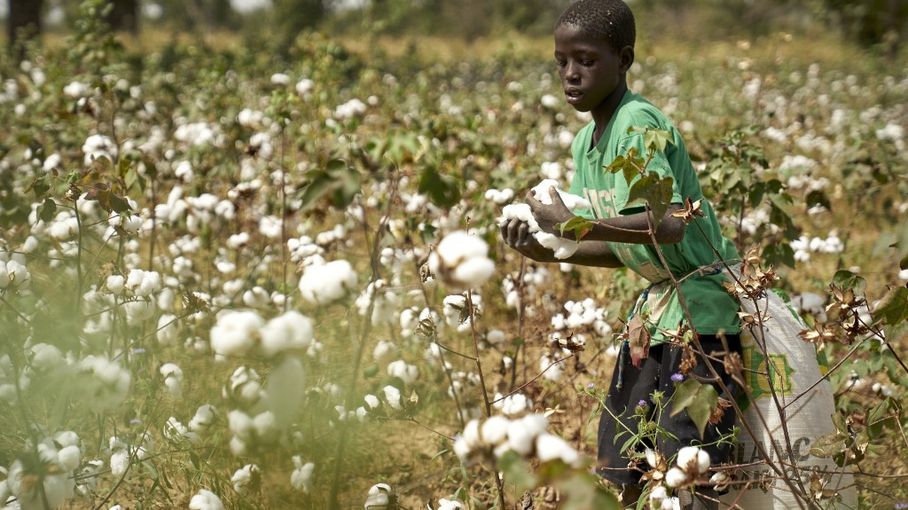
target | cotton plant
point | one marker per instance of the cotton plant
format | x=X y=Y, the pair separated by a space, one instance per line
x=526 y=436
x=57 y=459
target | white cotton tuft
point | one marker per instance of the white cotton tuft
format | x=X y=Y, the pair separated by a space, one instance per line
x=235 y=333
x=301 y=477
x=392 y=396
x=542 y=192
x=551 y=447
x=675 y=477
x=292 y=330
x=693 y=460
x=461 y=260
x=205 y=500
x=245 y=478
x=322 y=284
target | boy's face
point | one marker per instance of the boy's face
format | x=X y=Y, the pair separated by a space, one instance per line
x=590 y=69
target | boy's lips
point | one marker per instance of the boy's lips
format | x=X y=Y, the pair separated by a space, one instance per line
x=573 y=96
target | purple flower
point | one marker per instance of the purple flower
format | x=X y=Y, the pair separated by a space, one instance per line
x=590 y=386
x=642 y=403
x=677 y=377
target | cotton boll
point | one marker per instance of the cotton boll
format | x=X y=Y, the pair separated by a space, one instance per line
x=168 y=331
x=69 y=457
x=405 y=372
x=116 y=284
x=119 y=462
x=495 y=336
x=325 y=283
x=245 y=386
x=383 y=348
x=139 y=311
x=173 y=379
x=235 y=333
x=246 y=478
x=392 y=397
x=256 y=297
x=552 y=370
x=522 y=433
x=203 y=418
x=45 y=357
x=551 y=447
x=379 y=497
x=205 y=500
x=460 y=260
x=494 y=430
x=675 y=477
x=542 y=192
x=301 y=477
x=693 y=459
x=515 y=404
x=450 y=504
x=289 y=331
x=372 y=401
x=462 y=449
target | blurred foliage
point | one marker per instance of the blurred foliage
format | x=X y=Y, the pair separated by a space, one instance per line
x=880 y=24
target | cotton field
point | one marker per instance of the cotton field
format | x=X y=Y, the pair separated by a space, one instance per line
x=232 y=280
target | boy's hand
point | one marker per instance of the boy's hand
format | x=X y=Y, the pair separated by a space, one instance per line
x=549 y=216
x=516 y=234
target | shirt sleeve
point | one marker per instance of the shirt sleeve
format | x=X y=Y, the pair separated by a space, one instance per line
x=659 y=164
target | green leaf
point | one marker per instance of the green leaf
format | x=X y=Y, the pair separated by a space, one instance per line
x=119 y=204
x=829 y=445
x=47 y=210
x=893 y=308
x=630 y=164
x=517 y=471
x=655 y=191
x=877 y=419
x=847 y=280
x=656 y=139
x=584 y=491
x=441 y=189
x=778 y=254
x=338 y=181
x=577 y=225
x=700 y=400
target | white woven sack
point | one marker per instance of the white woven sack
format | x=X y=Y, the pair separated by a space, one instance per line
x=793 y=364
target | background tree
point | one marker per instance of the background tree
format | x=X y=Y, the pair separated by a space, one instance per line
x=23 y=24
x=124 y=16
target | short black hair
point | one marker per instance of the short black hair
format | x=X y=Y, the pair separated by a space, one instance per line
x=611 y=20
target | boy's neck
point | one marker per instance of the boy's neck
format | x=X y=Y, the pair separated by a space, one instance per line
x=604 y=112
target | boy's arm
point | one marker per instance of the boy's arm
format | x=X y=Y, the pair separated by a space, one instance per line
x=590 y=253
x=632 y=228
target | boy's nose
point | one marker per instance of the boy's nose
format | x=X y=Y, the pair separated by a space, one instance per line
x=572 y=74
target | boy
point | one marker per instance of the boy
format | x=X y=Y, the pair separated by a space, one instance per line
x=594 y=48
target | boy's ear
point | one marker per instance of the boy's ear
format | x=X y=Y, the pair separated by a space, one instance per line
x=626 y=58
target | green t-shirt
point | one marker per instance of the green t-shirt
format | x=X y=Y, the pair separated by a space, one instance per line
x=712 y=308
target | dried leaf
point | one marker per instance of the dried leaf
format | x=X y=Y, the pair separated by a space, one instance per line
x=638 y=338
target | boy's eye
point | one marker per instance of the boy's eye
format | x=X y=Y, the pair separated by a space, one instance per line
x=586 y=62
x=560 y=62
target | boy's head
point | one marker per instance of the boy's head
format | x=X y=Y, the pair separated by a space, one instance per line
x=608 y=20
x=594 y=48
